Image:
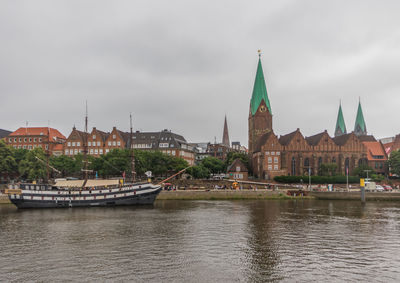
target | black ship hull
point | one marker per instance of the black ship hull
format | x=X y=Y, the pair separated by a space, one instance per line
x=144 y=194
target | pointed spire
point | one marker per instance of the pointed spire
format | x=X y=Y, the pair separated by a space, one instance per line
x=259 y=89
x=340 y=125
x=360 y=128
x=225 y=136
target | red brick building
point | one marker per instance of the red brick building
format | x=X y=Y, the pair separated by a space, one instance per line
x=34 y=137
x=294 y=154
x=75 y=142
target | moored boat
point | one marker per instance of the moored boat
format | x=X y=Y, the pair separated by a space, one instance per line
x=50 y=196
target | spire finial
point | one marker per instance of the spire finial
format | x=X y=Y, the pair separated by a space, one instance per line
x=259 y=53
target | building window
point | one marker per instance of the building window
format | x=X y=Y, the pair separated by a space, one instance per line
x=73 y=143
x=275 y=159
x=269 y=167
x=75 y=151
x=118 y=143
x=98 y=143
x=30 y=139
x=267 y=153
x=114 y=144
x=269 y=159
x=78 y=143
x=71 y=151
x=100 y=151
x=173 y=152
x=89 y=144
x=66 y=152
x=47 y=146
x=293 y=166
x=40 y=139
x=109 y=143
x=94 y=137
x=163 y=144
x=114 y=137
x=96 y=151
x=69 y=143
x=275 y=167
x=34 y=139
x=272 y=152
x=9 y=139
x=91 y=151
x=107 y=150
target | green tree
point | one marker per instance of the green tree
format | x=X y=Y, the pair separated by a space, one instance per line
x=214 y=165
x=8 y=164
x=394 y=163
x=33 y=166
x=361 y=171
x=199 y=172
x=328 y=169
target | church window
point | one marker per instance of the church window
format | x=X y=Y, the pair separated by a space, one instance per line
x=293 y=166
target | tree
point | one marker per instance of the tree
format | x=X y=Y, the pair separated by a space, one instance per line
x=8 y=164
x=33 y=167
x=361 y=171
x=214 y=165
x=199 y=172
x=394 y=163
x=328 y=169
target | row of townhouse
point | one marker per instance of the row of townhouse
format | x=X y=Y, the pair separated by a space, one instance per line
x=100 y=143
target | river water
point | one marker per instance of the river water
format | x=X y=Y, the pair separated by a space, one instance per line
x=204 y=241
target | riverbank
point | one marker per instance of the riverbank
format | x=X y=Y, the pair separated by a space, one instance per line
x=369 y=196
x=224 y=195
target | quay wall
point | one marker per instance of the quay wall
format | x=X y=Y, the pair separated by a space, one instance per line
x=4 y=199
x=369 y=196
x=222 y=195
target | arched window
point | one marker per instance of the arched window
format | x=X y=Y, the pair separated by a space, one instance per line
x=306 y=162
x=334 y=159
x=319 y=162
x=293 y=166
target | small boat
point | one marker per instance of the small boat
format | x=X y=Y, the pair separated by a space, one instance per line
x=50 y=196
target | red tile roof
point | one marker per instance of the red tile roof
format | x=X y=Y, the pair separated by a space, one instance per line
x=375 y=149
x=38 y=131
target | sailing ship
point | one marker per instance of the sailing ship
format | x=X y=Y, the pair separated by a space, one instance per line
x=46 y=195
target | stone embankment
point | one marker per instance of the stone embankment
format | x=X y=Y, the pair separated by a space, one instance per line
x=223 y=195
x=369 y=196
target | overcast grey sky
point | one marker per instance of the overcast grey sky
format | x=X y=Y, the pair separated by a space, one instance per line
x=183 y=65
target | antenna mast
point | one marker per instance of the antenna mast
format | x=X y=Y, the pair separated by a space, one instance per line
x=131 y=149
x=48 y=153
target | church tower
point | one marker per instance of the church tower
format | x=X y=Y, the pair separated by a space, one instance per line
x=260 y=115
x=340 y=125
x=225 y=135
x=360 y=128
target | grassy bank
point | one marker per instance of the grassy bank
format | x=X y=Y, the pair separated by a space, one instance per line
x=222 y=195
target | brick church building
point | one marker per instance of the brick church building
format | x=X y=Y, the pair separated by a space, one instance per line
x=295 y=154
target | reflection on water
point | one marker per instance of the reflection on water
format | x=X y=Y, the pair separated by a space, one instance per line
x=204 y=241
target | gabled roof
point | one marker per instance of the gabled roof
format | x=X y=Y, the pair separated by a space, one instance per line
x=360 y=128
x=237 y=162
x=38 y=131
x=340 y=128
x=341 y=140
x=259 y=91
x=103 y=135
x=315 y=139
x=261 y=141
x=375 y=149
x=286 y=139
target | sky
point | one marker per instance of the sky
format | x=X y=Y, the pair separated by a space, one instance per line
x=184 y=65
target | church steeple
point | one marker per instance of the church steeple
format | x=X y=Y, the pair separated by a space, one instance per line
x=259 y=89
x=225 y=136
x=360 y=128
x=340 y=125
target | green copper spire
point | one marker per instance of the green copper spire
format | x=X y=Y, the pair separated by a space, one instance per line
x=340 y=125
x=259 y=90
x=360 y=128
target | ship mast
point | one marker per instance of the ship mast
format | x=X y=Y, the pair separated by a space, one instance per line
x=48 y=155
x=85 y=150
x=133 y=173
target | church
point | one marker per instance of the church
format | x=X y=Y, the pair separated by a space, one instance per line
x=294 y=154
